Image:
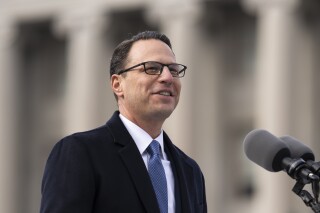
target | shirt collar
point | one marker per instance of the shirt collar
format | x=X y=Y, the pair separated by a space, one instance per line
x=141 y=137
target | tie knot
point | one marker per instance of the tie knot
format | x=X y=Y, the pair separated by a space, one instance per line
x=154 y=148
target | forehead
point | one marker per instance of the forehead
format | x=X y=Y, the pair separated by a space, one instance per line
x=150 y=50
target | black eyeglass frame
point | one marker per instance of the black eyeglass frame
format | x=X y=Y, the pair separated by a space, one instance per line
x=161 y=70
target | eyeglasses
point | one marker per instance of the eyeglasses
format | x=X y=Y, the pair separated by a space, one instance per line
x=156 y=68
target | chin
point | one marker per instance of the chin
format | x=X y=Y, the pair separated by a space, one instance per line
x=163 y=113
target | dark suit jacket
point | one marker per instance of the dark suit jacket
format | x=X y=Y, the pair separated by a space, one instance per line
x=102 y=171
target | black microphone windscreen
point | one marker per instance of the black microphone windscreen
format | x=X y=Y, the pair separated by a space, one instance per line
x=265 y=149
x=297 y=148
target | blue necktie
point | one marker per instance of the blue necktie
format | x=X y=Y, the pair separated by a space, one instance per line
x=158 y=176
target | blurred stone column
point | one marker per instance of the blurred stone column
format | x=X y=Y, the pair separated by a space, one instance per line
x=84 y=96
x=273 y=94
x=8 y=114
x=208 y=117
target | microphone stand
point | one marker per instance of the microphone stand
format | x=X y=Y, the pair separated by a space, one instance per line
x=308 y=199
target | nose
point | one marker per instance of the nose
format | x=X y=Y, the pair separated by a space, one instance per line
x=166 y=75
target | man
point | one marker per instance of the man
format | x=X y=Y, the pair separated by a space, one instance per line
x=114 y=168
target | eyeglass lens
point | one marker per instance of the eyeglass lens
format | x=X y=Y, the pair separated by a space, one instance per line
x=155 y=68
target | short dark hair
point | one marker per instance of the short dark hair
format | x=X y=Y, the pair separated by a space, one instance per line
x=120 y=53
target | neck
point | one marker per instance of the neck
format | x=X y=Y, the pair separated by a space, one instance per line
x=151 y=125
x=153 y=129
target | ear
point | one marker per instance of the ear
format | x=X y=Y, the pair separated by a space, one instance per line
x=116 y=85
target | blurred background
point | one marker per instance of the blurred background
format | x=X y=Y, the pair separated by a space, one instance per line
x=251 y=64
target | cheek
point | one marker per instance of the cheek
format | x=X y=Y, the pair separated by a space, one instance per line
x=135 y=90
x=178 y=88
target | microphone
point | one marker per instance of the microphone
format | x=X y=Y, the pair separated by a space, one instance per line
x=266 y=150
x=300 y=150
x=297 y=148
x=273 y=154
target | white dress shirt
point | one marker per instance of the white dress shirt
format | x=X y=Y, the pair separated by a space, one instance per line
x=142 y=140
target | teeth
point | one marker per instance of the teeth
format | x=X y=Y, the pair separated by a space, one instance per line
x=165 y=93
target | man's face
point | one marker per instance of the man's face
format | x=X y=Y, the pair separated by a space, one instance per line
x=146 y=96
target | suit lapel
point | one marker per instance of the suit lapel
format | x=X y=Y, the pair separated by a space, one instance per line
x=133 y=161
x=136 y=167
x=184 y=175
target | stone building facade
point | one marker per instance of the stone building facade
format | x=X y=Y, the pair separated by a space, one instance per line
x=251 y=64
